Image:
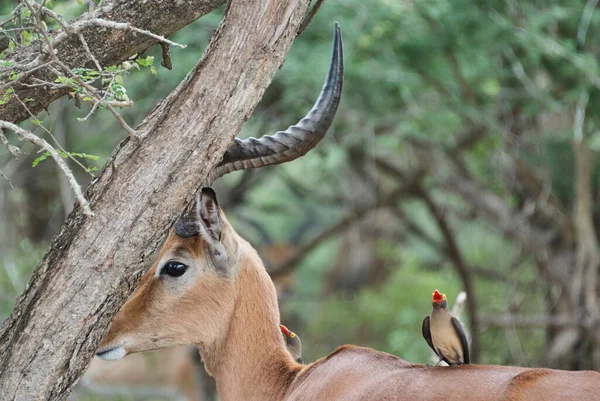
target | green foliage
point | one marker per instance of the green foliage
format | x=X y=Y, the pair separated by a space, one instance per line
x=6 y=96
x=66 y=155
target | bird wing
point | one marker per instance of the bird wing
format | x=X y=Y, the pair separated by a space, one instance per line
x=463 y=338
x=427 y=333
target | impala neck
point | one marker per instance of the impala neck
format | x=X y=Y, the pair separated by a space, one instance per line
x=253 y=363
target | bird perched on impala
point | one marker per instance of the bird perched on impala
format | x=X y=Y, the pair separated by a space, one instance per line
x=444 y=333
x=292 y=343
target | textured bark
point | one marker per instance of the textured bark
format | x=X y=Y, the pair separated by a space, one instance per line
x=94 y=263
x=110 y=47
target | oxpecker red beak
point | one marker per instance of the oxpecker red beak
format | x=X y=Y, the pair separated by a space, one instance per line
x=437 y=296
x=284 y=330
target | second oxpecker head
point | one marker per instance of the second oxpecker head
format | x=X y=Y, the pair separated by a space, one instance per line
x=293 y=344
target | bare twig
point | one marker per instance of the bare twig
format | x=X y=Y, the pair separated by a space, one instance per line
x=123 y=26
x=9 y=183
x=89 y=52
x=28 y=136
x=166 y=56
x=309 y=17
x=13 y=150
x=57 y=17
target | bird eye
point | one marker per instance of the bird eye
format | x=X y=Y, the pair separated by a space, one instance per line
x=174 y=269
x=444 y=297
x=292 y=335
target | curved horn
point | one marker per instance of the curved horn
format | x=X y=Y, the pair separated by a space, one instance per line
x=298 y=139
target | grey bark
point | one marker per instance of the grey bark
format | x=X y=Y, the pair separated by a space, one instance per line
x=94 y=263
x=110 y=47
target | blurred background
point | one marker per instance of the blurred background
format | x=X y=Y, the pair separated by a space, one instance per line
x=463 y=157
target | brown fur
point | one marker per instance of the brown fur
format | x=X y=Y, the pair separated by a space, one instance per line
x=233 y=318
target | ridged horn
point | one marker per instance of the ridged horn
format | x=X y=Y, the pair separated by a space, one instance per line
x=298 y=139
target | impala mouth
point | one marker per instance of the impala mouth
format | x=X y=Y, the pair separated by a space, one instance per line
x=112 y=354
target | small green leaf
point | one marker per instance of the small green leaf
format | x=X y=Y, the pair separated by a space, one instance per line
x=43 y=157
x=27 y=37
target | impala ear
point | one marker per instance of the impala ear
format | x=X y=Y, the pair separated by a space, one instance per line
x=209 y=218
x=204 y=219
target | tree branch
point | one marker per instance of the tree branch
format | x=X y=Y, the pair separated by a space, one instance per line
x=28 y=136
x=159 y=18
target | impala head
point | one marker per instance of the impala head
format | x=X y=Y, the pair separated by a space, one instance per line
x=191 y=285
x=189 y=294
x=439 y=300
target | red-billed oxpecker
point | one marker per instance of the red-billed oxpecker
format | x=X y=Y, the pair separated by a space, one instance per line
x=444 y=333
x=292 y=343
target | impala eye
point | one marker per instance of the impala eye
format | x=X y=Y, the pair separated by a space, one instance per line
x=174 y=269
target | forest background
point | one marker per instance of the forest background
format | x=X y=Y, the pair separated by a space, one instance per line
x=463 y=157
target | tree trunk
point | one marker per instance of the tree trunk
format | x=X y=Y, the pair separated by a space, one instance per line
x=94 y=263
x=109 y=46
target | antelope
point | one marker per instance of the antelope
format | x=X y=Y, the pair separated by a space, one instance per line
x=209 y=288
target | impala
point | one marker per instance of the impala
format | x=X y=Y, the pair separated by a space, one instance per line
x=208 y=287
